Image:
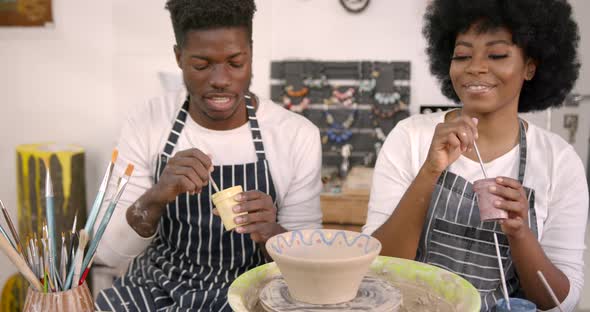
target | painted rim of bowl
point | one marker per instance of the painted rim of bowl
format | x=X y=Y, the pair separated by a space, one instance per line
x=369 y=252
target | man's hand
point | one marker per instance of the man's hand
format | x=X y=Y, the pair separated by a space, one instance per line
x=187 y=171
x=261 y=220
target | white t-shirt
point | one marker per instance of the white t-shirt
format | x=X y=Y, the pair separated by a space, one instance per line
x=553 y=170
x=292 y=147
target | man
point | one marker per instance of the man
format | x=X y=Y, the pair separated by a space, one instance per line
x=215 y=129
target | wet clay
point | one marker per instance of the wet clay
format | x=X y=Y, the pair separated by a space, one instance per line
x=374 y=294
x=418 y=298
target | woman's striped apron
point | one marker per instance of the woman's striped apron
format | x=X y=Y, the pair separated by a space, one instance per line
x=455 y=239
x=193 y=260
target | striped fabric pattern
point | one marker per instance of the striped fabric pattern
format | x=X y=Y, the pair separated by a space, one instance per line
x=193 y=260
x=456 y=240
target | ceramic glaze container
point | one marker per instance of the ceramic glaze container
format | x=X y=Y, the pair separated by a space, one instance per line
x=485 y=201
x=516 y=305
x=224 y=202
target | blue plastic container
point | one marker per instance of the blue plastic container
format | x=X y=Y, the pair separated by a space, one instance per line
x=516 y=305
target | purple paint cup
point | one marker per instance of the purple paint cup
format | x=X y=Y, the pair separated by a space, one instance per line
x=485 y=201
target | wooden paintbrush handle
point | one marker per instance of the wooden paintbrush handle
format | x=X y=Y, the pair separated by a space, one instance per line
x=20 y=263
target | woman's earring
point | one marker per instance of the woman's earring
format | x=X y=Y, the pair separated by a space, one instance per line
x=530 y=73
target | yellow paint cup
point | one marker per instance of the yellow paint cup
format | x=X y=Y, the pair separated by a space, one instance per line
x=224 y=202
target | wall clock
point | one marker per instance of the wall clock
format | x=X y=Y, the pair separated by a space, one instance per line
x=355 y=6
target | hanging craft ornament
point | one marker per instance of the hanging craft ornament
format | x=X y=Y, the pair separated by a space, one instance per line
x=290 y=90
x=343 y=95
x=368 y=159
x=388 y=113
x=339 y=132
x=384 y=114
x=316 y=83
x=367 y=85
x=385 y=98
x=377 y=146
x=380 y=134
x=345 y=98
x=345 y=152
x=298 y=108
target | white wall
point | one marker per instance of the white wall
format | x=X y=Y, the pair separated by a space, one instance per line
x=582 y=137
x=74 y=82
x=56 y=85
x=386 y=31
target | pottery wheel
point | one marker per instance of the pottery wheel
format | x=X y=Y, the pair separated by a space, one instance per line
x=374 y=295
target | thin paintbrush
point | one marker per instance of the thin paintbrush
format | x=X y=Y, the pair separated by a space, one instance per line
x=498 y=255
x=100 y=195
x=73 y=255
x=80 y=256
x=46 y=281
x=20 y=263
x=213 y=184
x=74 y=241
x=42 y=268
x=107 y=217
x=56 y=281
x=35 y=256
x=17 y=242
x=29 y=253
x=83 y=278
x=501 y=267
x=7 y=237
x=63 y=258
x=45 y=253
x=73 y=232
x=75 y=222
x=49 y=279
x=73 y=244
x=215 y=187
x=550 y=291
x=39 y=254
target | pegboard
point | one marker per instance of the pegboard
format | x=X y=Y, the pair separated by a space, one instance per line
x=318 y=90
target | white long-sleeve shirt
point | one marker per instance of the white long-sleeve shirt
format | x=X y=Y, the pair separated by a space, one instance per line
x=553 y=170
x=292 y=146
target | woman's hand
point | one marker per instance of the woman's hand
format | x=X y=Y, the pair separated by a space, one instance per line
x=515 y=202
x=450 y=140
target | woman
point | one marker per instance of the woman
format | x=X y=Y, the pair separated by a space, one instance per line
x=497 y=58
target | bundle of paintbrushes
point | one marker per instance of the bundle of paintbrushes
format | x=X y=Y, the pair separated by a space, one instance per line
x=53 y=263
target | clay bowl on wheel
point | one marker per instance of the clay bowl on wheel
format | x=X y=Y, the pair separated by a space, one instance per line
x=323 y=266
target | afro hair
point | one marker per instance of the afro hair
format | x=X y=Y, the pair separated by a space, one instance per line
x=190 y=15
x=544 y=29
